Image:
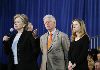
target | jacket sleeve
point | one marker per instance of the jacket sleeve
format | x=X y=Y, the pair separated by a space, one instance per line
x=69 y=53
x=35 y=44
x=65 y=46
x=6 y=46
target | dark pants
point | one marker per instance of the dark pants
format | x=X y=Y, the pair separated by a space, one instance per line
x=15 y=67
x=3 y=66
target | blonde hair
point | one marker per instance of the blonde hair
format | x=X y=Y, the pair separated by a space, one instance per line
x=82 y=30
x=24 y=19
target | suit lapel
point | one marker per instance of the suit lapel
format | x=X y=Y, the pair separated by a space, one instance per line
x=46 y=40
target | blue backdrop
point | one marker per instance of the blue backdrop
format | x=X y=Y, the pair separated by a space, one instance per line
x=63 y=10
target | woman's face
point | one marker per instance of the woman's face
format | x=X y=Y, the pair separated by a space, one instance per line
x=18 y=24
x=76 y=26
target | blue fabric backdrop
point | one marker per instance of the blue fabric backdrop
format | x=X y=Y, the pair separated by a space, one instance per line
x=63 y=10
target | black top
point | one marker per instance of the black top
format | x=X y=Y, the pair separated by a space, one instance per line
x=27 y=52
x=78 y=53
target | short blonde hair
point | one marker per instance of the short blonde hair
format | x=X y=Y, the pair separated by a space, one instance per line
x=24 y=19
x=51 y=17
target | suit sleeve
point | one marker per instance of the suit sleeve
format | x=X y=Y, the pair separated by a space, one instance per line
x=37 y=42
x=65 y=45
x=35 y=45
x=7 y=46
x=69 y=53
x=41 y=44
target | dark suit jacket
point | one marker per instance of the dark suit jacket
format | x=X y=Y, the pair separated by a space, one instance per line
x=26 y=52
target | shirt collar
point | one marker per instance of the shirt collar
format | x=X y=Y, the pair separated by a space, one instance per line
x=53 y=31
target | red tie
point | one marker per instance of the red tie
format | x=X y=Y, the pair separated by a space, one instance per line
x=50 y=40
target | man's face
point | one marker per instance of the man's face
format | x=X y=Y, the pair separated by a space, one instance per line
x=98 y=56
x=49 y=24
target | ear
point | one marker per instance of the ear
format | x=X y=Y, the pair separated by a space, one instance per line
x=55 y=24
x=24 y=25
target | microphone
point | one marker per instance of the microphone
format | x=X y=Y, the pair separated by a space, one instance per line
x=11 y=32
x=11 y=29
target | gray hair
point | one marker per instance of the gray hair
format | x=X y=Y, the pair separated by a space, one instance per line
x=50 y=17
